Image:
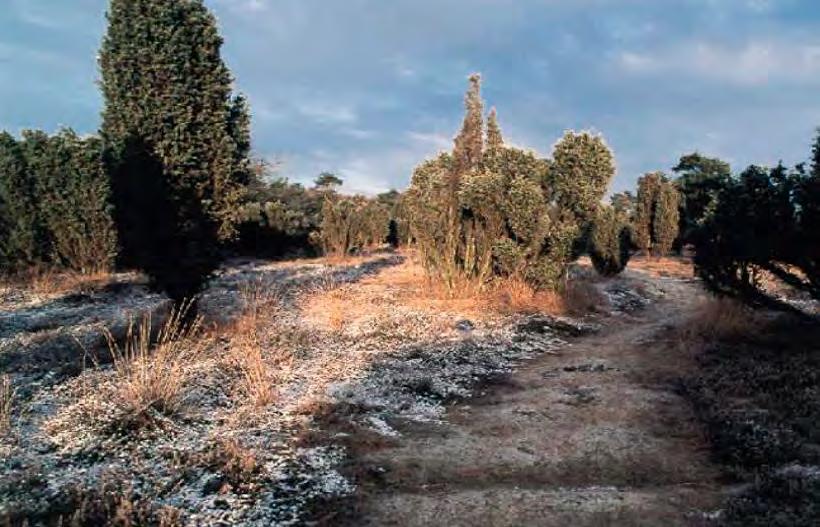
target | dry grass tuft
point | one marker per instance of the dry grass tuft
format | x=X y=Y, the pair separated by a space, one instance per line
x=581 y=297
x=512 y=296
x=152 y=371
x=6 y=402
x=237 y=464
x=718 y=318
x=48 y=281
x=261 y=372
x=113 y=503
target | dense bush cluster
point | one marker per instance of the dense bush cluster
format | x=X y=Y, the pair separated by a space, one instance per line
x=763 y=220
x=351 y=223
x=277 y=216
x=486 y=209
x=610 y=242
x=55 y=207
x=656 y=214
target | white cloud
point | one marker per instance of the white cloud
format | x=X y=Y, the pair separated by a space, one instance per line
x=754 y=63
x=433 y=140
x=325 y=112
x=245 y=6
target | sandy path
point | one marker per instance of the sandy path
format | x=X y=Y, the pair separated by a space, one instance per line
x=593 y=436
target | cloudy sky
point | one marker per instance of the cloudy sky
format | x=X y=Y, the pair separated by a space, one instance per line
x=367 y=88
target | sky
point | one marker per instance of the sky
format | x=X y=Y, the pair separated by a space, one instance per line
x=369 y=88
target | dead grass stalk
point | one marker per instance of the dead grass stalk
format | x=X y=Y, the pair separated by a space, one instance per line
x=152 y=371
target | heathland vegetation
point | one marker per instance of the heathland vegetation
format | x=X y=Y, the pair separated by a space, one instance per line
x=423 y=294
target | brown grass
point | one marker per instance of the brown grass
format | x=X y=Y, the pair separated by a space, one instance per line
x=407 y=288
x=48 y=281
x=512 y=296
x=667 y=266
x=152 y=370
x=718 y=319
x=237 y=464
x=261 y=372
x=582 y=297
x=6 y=403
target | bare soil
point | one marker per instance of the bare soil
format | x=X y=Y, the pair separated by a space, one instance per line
x=595 y=434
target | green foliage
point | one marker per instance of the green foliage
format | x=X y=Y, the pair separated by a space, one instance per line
x=59 y=210
x=19 y=224
x=583 y=167
x=469 y=144
x=351 y=223
x=665 y=224
x=700 y=181
x=656 y=219
x=278 y=216
x=486 y=209
x=765 y=220
x=495 y=141
x=176 y=139
x=610 y=242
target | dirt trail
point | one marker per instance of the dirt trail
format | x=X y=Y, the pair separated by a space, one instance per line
x=593 y=436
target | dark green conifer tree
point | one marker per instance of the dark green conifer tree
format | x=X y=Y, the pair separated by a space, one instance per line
x=700 y=181
x=176 y=139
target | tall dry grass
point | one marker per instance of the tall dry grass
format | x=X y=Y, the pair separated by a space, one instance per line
x=152 y=367
x=47 y=281
x=263 y=366
x=515 y=296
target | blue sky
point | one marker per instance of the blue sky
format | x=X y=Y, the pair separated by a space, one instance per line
x=368 y=88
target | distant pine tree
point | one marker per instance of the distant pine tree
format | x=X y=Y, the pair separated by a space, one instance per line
x=700 y=181
x=176 y=139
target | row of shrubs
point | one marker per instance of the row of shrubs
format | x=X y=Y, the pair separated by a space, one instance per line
x=55 y=203
x=487 y=209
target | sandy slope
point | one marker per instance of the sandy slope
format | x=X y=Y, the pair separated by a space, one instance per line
x=595 y=435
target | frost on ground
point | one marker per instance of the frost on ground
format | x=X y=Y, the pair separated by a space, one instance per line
x=219 y=460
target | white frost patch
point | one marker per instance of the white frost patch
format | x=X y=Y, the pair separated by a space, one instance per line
x=380 y=425
x=326 y=479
